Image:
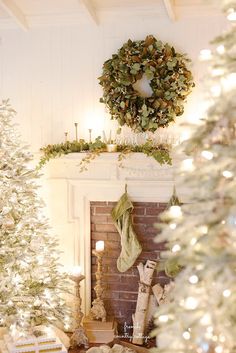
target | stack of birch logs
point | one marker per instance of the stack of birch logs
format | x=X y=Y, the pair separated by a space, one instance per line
x=140 y=318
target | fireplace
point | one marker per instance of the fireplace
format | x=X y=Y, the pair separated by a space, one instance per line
x=72 y=195
x=121 y=289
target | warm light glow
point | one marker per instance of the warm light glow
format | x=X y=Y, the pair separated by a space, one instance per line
x=175 y=212
x=227 y=174
x=186 y=134
x=191 y=303
x=186 y=335
x=217 y=72
x=173 y=226
x=193 y=279
x=219 y=349
x=207 y=155
x=163 y=318
x=227 y=293
x=215 y=90
x=99 y=246
x=220 y=49
x=76 y=271
x=187 y=165
x=206 y=320
x=193 y=241
x=229 y=82
x=205 y=54
x=176 y=248
x=231 y=14
x=203 y=229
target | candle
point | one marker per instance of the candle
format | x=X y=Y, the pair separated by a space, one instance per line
x=90 y=135
x=99 y=246
x=76 y=132
x=76 y=271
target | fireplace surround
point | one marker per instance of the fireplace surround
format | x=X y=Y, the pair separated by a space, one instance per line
x=69 y=194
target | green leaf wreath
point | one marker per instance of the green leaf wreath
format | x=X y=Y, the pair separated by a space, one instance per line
x=169 y=77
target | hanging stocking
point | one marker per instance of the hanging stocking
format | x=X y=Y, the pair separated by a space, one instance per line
x=130 y=247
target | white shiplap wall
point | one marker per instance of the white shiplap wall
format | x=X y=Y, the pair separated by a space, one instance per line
x=50 y=74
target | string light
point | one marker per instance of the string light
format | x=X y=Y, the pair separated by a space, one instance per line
x=193 y=279
x=176 y=248
x=173 y=226
x=227 y=174
x=205 y=321
x=227 y=293
x=187 y=165
x=217 y=72
x=193 y=241
x=220 y=49
x=186 y=335
x=203 y=229
x=163 y=318
x=191 y=303
x=175 y=211
x=205 y=55
x=231 y=14
x=215 y=90
x=219 y=349
x=207 y=155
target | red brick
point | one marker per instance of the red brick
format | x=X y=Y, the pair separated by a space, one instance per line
x=115 y=245
x=128 y=296
x=111 y=277
x=99 y=219
x=103 y=210
x=110 y=295
x=110 y=219
x=98 y=203
x=139 y=211
x=105 y=228
x=144 y=220
x=153 y=211
x=140 y=228
x=99 y=236
x=145 y=204
x=113 y=236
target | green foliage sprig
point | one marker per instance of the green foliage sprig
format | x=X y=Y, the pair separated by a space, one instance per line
x=169 y=77
x=161 y=153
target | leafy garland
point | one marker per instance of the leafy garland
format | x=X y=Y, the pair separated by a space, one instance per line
x=159 y=152
x=169 y=77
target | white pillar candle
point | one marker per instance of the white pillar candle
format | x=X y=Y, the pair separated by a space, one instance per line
x=76 y=271
x=99 y=245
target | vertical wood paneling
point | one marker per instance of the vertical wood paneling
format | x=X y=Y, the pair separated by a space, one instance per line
x=50 y=74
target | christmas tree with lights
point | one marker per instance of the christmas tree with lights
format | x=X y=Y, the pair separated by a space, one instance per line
x=201 y=235
x=31 y=285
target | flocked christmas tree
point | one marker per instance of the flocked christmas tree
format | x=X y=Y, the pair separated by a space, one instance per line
x=201 y=317
x=31 y=285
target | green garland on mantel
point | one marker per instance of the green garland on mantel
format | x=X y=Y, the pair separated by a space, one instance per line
x=161 y=152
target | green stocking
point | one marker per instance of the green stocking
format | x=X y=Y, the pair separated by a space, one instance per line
x=130 y=247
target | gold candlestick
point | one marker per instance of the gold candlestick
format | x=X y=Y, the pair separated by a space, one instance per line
x=76 y=132
x=79 y=336
x=98 y=311
x=90 y=135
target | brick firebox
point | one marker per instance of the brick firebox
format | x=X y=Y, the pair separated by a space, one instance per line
x=121 y=289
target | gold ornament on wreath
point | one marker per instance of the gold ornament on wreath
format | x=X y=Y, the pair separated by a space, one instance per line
x=168 y=76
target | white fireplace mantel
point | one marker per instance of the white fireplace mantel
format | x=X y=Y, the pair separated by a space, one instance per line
x=69 y=193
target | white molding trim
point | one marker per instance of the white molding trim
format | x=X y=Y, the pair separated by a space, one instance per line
x=90 y=10
x=170 y=9
x=15 y=12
